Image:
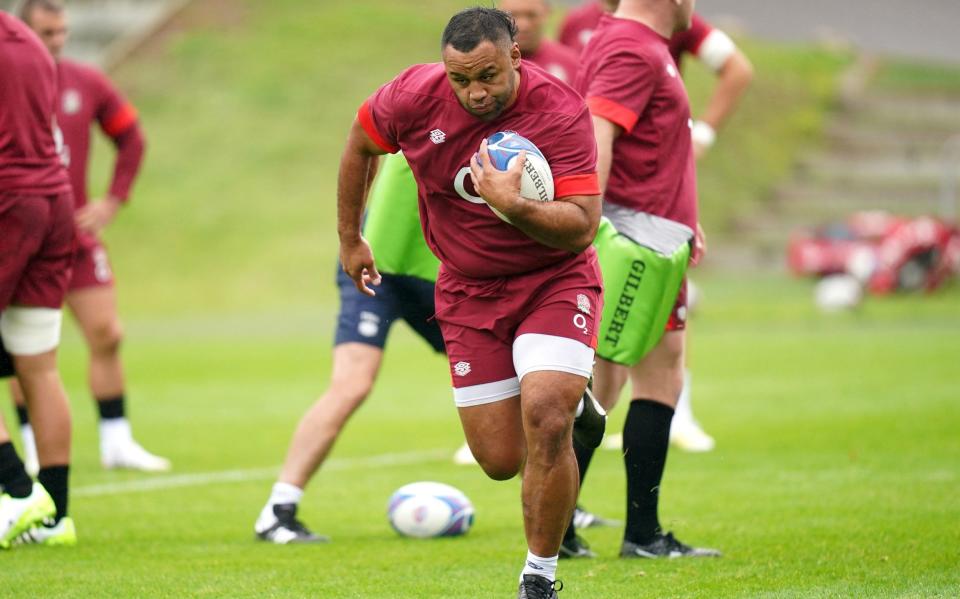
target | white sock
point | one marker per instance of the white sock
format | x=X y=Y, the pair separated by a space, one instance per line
x=26 y=435
x=540 y=566
x=285 y=493
x=115 y=431
x=280 y=494
x=684 y=412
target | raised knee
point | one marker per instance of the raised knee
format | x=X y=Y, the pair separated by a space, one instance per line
x=500 y=465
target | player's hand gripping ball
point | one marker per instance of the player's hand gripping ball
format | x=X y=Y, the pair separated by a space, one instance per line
x=536 y=182
x=428 y=509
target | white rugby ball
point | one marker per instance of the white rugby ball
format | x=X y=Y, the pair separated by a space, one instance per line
x=430 y=509
x=536 y=182
x=838 y=292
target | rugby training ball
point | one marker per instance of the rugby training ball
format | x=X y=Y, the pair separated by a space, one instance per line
x=838 y=292
x=429 y=509
x=536 y=182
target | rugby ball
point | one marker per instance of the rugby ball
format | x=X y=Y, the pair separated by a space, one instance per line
x=536 y=182
x=838 y=292
x=430 y=509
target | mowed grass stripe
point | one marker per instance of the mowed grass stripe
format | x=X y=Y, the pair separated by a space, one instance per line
x=200 y=479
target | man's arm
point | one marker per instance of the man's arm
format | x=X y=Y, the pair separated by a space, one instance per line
x=357 y=168
x=568 y=223
x=733 y=79
x=118 y=120
x=95 y=216
x=606 y=132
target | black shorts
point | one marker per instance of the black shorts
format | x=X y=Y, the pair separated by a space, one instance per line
x=365 y=319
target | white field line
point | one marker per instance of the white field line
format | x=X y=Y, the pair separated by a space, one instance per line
x=200 y=479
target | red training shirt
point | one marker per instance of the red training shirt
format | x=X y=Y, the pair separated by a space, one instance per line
x=30 y=163
x=629 y=78
x=86 y=95
x=419 y=113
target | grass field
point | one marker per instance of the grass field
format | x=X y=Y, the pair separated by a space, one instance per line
x=835 y=475
x=836 y=470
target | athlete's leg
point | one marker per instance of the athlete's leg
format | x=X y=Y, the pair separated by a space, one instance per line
x=47 y=402
x=659 y=375
x=50 y=411
x=95 y=309
x=362 y=327
x=657 y=381
x=495 y=435
x=550 y=479
x=23 y=503
x=355 y=367
x=608 y=381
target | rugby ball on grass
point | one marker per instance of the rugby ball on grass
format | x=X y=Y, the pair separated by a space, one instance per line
x=536 y=182
x=834 y=293
x=429 y=509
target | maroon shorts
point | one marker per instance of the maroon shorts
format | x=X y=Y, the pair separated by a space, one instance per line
x=36 y=249
x=481 y=318
x=91 y=266
x=678 y=317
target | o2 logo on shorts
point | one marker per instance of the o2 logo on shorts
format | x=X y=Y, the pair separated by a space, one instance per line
x=580 y=321
x=101 y=265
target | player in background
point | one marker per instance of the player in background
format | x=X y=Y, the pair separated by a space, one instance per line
x=86 y=96
x=516 y=302
x=531 y=18
x=37 y=237
x=408 y=271
x=733 y=72
x=641 y=118
x=578 y=24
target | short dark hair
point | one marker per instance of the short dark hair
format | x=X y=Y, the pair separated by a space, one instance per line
x=28 y=6
x=470 y=27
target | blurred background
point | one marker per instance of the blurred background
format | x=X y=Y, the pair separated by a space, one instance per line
x=824 y=350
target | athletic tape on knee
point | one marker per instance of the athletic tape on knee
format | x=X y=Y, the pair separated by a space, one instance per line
x=30 y=331
x=533 y=352
x=640 y=290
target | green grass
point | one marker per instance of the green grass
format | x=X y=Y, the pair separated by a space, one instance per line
x=912 y=77
x=246 y=122
x=835 y=473
x=781 y=114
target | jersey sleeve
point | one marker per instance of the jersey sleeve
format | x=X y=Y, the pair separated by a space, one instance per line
x=621 y=88
x=693 y=38
x=573 y=159
x=381 y=114
x=119 y=121
x=113 y=112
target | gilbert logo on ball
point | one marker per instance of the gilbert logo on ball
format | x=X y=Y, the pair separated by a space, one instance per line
x=536 y=182
x=430 y=509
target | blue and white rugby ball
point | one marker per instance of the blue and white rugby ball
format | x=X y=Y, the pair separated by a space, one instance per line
x=536 y=182
x=429 y=509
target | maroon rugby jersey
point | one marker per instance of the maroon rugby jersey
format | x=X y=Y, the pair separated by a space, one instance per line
x=580 y=23
x=85 y=96
x=629 y=78
x=29 y=159
x=556 y=59
x=689 y=41
x=419 y=113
